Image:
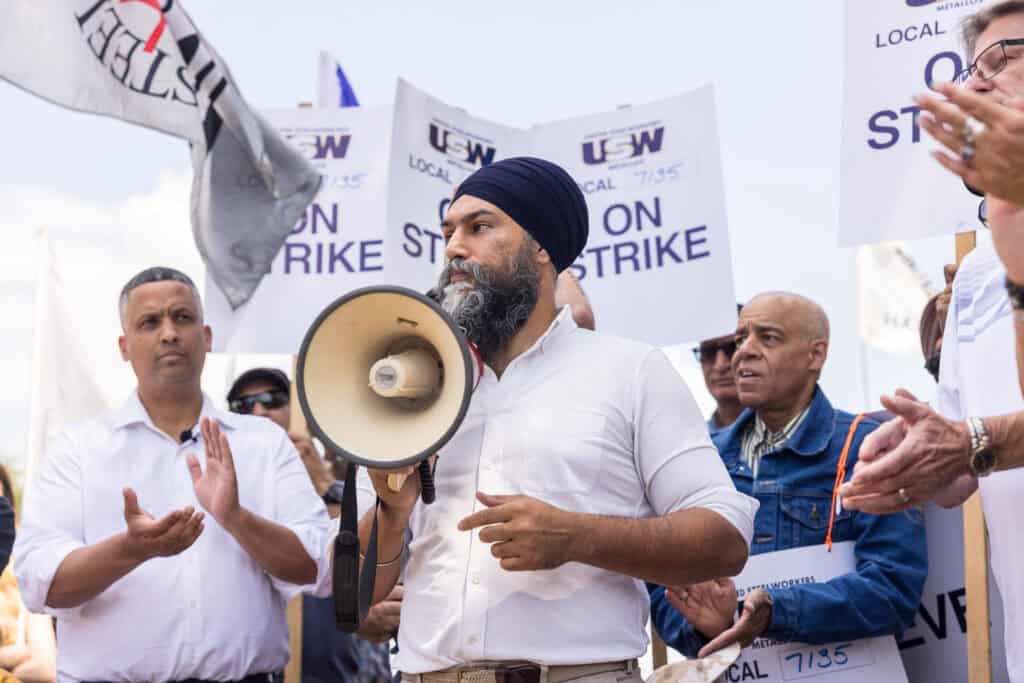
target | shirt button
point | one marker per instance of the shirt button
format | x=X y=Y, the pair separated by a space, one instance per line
x=471 y=640
x=475 y=580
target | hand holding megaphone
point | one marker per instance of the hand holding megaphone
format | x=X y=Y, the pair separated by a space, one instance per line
x=398 y=489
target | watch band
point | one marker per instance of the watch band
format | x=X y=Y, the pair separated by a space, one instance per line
x=1016 y=294
x=982 y=457
x=333 y=494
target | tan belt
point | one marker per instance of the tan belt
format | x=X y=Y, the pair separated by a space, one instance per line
x=495 y=672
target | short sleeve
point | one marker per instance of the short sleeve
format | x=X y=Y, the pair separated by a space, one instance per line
x=678 y=464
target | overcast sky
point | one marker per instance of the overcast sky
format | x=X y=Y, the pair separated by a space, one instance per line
x=114 y=196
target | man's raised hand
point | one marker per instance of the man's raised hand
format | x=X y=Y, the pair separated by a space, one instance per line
x=147 y=538
x=217 y=487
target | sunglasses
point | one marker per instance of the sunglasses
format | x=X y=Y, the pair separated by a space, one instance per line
x=268 y=399
x=707 y=352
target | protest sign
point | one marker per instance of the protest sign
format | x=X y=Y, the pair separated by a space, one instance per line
x=890 y=188
x=657 y=264
x=338 y=243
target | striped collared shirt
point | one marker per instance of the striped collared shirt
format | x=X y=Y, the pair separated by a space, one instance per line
x=758 y=439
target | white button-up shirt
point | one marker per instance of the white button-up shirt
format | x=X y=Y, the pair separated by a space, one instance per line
x=210 y=612
x=588 y=423
x=978 y=378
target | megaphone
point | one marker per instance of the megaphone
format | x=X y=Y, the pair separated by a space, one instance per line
x=384 y=377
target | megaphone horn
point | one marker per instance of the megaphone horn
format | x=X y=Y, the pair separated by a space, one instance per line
x=384 y=377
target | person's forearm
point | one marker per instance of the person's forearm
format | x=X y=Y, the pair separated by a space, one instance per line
x=276 y=548
x=87 y=572
x=391 y=525
x=683 y=547
x=1007 y=432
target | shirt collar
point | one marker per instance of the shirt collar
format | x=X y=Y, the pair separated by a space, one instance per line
x=812 y=436
x=133 y=412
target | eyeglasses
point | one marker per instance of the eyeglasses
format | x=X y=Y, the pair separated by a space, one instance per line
x=708 y=351
x=983 y=213
x=991 y=61
x=268 y=399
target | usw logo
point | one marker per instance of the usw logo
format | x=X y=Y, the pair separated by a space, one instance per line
x=460 y=147
x=622 y=147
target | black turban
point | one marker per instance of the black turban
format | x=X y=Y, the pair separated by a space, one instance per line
x=541 y=197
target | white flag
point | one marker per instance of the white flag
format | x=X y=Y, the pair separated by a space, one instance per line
x=892 y=293
x=144 y=61
x=333 y=87
x=63 y=387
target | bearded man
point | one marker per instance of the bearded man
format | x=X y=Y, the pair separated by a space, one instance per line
x=583 y=467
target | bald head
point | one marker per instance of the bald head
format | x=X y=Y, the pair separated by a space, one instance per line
x=782 y=343
x=807 y=317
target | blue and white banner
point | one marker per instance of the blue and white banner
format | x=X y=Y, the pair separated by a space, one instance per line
x=657 y=265
x=434 y=147
x=337 y=245
x=890 y=188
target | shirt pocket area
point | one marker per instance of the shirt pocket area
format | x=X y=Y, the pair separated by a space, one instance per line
x=563 y=453
x=805 y=520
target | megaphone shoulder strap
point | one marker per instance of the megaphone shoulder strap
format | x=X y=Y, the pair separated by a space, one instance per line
x=352 y=592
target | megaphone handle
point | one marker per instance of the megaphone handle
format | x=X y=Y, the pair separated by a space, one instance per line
x=396 y=481
x=427 y=489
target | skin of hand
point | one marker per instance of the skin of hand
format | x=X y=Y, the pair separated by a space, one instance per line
x=381 y=623
x=319 y=469
x=524 y=533
x=216 y=487
x=754 y=620
x=710 y=606
x=146 y=538
x=920 y=452
x=998 y=151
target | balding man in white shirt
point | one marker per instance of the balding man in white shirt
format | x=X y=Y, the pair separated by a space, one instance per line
x=581 y=455
x=144 y=586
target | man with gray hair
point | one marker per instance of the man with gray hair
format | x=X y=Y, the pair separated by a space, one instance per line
x=972 y=438
x=161 y=555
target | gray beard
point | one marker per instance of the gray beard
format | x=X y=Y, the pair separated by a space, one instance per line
x=494 y=306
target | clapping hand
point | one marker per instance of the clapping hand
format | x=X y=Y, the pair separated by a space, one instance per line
x=217 y=487
x=147 y=537
x=710 y=606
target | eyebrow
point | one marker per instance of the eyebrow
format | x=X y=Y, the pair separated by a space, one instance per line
x=470 y=217
x=762 y=327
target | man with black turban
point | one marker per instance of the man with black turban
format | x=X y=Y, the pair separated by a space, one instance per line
x=583 y=467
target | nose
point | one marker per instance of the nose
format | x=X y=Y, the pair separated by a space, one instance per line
x=977 y=83
x=168 y=332
x=456 y=246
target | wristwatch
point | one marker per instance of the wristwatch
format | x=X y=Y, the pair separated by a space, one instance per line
x=332 y=496
x=983 y=458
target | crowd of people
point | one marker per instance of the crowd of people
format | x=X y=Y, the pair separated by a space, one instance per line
x=583 y=490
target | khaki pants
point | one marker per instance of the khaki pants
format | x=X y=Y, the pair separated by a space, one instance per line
x=612 y=672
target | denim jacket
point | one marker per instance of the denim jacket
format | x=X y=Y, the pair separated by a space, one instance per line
x=794 y=487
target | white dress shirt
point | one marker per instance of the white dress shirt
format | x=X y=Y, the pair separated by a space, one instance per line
x=588 y=423
x=978 y=378
x=210 y=612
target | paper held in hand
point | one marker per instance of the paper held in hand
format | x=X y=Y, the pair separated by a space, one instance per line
x=871 y=659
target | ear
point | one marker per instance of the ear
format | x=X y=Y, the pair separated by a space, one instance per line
x=819 y=352
x=542 y=256
x=208 y=337
x=122 y=344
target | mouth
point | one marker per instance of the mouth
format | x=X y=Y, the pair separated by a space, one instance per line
x=171 y=355
x=746 y=376
x=458 y=276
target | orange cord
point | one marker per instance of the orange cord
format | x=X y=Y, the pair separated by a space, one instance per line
x=840 y=476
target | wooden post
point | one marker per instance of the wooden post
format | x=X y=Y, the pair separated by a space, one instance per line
x=659 y=653
x=979 y=622
x=293 y=671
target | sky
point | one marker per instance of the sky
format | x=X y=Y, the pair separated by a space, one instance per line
x=114 y=197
